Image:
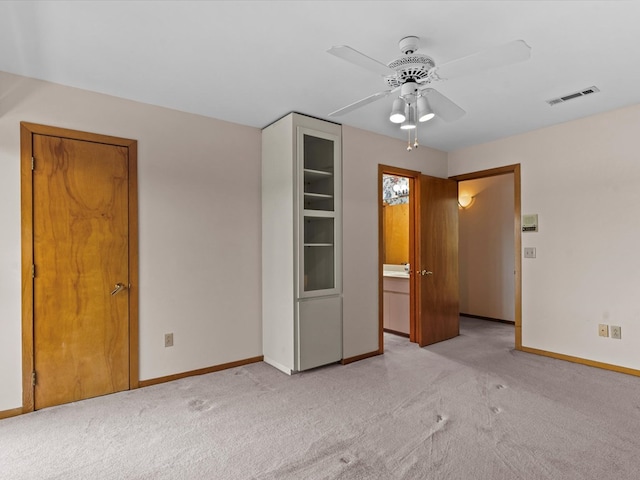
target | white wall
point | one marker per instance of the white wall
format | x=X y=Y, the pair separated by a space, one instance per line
x=199 y=210
x=486 y=256
x=362 y=153
x=582 y=178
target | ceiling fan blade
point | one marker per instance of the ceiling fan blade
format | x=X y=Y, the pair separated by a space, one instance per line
x=442 y=106
x=364 y=101
x=507 y=54
x=353 y=56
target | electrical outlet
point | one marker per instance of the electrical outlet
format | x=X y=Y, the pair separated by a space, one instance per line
x=529 y=252
x=168 y=339
x=616 y=332
x=603 y=330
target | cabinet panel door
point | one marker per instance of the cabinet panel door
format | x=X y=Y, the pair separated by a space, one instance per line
x=319 y=331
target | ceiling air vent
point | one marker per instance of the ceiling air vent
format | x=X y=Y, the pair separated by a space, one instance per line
x=571 y=96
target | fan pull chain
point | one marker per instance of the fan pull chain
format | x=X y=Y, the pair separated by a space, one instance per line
x=409 y=140
x=415 y=143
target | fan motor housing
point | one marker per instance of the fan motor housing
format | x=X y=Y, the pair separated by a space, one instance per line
x=411 y=67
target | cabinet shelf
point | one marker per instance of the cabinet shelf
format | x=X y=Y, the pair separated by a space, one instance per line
x=318 y=189
x=319 y=213
x=318 y=201
x=314 y=175
x=317 y=195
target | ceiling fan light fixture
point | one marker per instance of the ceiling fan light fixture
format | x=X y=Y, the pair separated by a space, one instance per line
x=424 y=110
x=412 y=73
x=397 y=111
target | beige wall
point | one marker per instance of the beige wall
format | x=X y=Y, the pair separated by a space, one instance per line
x=196 y=253
x=582 y=179
x=200 y=224
x=486 y=248
x=199 y=209
x=362 y=152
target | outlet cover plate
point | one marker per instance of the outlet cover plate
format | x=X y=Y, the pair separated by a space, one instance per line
x=168 y=339
x=616 y=332
x=529 y=252
x=603 y=330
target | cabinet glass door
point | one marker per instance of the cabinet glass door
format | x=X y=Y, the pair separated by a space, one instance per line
x=319 y=261
x=318 y=173
x=318 y=219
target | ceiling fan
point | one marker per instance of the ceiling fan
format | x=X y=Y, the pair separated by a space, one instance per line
x=411 y=74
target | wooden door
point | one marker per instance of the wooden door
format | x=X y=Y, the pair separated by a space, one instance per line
x=437 y=266
x=80 y=252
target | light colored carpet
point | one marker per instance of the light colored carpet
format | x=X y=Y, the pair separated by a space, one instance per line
x=469 y=408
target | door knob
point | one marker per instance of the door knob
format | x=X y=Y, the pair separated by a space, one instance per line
x=426 y=272
x=118 y=289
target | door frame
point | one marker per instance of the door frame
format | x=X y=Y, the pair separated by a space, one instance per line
x=27 y=130
x=515 y=169
x=414 y=185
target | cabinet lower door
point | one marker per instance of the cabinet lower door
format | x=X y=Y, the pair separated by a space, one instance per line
x=319 y=331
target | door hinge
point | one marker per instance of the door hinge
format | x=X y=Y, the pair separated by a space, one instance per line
x=33 y=163
x=33 y=271
x=33 y=379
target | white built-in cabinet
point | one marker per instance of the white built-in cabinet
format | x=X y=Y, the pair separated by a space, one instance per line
x=301 y=243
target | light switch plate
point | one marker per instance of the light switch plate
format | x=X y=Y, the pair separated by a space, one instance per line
x=529 y=252
x=530 y=223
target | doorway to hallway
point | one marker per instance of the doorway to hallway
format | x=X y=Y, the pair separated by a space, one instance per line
x=504 y=290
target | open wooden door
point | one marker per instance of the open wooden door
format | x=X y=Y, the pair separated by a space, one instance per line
x=437 y=266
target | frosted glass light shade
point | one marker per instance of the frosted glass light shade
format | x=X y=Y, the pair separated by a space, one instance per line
x=424 y=110
x=397 y=111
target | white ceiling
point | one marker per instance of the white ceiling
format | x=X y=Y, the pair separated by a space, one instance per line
x=251 y=62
